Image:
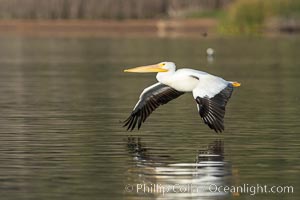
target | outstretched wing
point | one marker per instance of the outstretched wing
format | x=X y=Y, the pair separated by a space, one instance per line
x=212 y=109
x=151 y=98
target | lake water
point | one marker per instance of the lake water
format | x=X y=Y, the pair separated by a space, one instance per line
x=63 y=100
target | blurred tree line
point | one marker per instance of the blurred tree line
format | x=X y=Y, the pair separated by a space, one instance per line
x=252 y=16
x=104 y=9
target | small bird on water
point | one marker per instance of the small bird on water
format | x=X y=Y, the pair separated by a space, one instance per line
x=210 y=92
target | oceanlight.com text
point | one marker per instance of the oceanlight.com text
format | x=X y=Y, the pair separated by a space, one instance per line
x=140 y=188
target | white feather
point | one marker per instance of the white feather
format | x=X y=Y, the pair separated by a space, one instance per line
x=209 y=85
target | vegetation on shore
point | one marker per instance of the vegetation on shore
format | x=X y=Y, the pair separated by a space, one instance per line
x=250 y=17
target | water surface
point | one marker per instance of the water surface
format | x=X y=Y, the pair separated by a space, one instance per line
x=62 y=101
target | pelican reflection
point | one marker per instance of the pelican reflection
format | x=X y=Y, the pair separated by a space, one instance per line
x=160 y=171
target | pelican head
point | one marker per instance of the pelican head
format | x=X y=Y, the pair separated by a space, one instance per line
x=160 y=67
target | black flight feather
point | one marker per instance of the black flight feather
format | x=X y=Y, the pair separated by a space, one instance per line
x=212 y=110
x=157 y=94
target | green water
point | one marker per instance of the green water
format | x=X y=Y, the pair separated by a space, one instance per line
x=62 y=101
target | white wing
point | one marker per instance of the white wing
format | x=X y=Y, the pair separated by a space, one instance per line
x=209 y=86
x=212 y=94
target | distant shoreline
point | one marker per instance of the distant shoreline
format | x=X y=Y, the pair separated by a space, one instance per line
x=175 y=28
x=109 y=28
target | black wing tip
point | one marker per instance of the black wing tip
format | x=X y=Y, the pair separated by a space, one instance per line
x=218 y=130
x=217 y=126
x=133 y=120
x=212 y=113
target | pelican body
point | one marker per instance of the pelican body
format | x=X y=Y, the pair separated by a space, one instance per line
x=210 y=92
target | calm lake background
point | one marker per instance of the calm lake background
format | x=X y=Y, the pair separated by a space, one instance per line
x=63 y=100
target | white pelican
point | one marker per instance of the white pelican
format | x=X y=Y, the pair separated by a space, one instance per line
x=210 y=92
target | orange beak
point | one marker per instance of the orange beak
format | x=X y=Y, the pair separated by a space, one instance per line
x=148 y=68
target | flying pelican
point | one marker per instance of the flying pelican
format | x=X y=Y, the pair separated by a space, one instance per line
x=210 y=92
